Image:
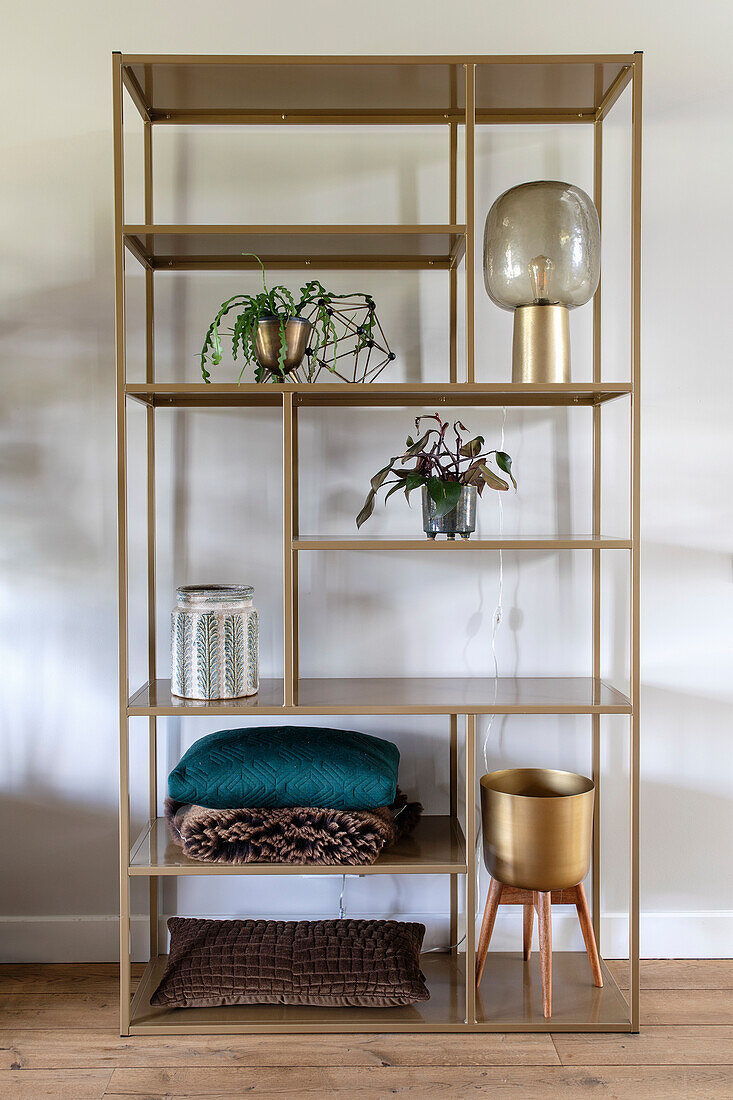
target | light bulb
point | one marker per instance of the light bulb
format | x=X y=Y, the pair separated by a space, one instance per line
x=540 y=270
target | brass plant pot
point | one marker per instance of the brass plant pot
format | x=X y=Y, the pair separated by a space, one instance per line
x=268 y=342
x=537 y=827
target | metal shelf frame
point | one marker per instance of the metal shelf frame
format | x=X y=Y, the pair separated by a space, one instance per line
x=453 y=92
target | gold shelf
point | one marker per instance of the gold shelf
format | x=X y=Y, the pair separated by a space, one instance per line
x=291 y=247
x=436 y=847
x=375 y=395
x=511 y=995
x=398 y=695
x=524 y=542
x=156 y=699
x=509 y=1000
x=445 y=1011
x=286 y=90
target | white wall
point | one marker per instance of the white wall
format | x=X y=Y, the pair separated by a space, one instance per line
x=385 y=615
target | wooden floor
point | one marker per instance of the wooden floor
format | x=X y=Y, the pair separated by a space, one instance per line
x=58 y=1038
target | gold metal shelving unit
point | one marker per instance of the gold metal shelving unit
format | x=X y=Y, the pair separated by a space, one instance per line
x=454 y=92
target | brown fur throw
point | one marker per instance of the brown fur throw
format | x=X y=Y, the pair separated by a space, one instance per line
x=302 y=835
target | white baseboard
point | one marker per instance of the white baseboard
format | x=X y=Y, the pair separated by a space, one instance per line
x=67 y=939
x=686 y=935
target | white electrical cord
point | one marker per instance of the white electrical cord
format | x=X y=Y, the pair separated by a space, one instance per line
x=499 y=611
x=496 y=622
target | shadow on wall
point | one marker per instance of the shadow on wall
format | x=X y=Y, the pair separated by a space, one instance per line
x=59 y=856
x=53 y=845
x=685 y=820
x=394 y=182
x=346 y=449
x=58 y=740
x=57 y=614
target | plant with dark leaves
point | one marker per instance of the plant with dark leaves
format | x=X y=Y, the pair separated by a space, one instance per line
x=443 y=463
x=314 y=303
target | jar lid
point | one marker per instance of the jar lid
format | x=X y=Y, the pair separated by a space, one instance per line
x=199 y=595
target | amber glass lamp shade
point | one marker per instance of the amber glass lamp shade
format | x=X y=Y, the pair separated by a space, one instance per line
x=542 y=258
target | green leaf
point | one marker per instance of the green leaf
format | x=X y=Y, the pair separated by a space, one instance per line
x=367 y=509
x=380 y=475
x=473 y=475
x=282 y=300
x=473 y=447
x=413 y=481
x=415 y=448
x=244 y=327
x=452 y=496
x=492 y=480
x=504 y=462
x=310 y=293
x=395 y=489
x=211 y=351
x=283 y=353
x=436 y=490
x=254 y=256
x=445 y=495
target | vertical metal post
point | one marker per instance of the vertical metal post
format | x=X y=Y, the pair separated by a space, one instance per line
x=470 y=139
x=635 y=527
x=295 y=560
x=124 y=808
x=597 y=497
x=290 y=555
x=453 y=219
x=470 y=230
x=471 y=875
x=453 y=769
x=153 y=882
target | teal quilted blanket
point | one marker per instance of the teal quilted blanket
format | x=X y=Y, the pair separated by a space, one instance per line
x=285 y=766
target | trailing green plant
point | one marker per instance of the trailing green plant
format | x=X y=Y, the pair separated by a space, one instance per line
x=314 y=304
x=442 y=463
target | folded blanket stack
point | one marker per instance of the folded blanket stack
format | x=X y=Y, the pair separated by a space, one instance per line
x=289 y=794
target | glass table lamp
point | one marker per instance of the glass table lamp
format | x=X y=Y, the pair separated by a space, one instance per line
x=542 y=258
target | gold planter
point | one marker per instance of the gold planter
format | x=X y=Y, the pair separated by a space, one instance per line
x=268 y=342
x=537 y=827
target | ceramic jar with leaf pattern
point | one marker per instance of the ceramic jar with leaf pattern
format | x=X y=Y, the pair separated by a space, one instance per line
x=214 y=642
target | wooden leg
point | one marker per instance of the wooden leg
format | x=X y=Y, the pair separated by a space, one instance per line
x=487 y=926
x=586 y=927
x=528 y=925
x=544 y=921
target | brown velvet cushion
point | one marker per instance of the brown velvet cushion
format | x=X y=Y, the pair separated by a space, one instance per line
x=331 y=962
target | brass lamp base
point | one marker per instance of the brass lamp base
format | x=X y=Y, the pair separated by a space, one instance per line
x=541 y=351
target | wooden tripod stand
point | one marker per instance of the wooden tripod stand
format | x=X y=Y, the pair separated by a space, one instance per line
x=532 y=900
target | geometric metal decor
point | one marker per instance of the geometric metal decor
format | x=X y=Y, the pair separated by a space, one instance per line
x=355 y=350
